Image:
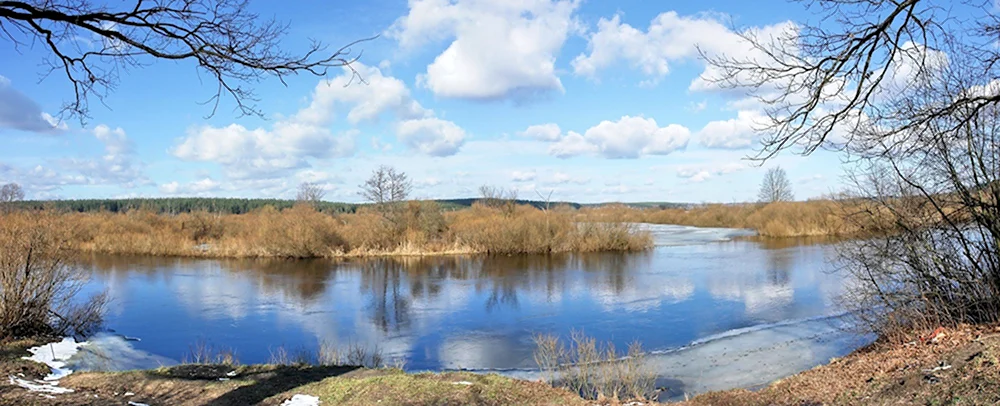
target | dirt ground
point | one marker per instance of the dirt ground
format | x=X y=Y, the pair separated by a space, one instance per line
x=950 y=367
x=953 y=367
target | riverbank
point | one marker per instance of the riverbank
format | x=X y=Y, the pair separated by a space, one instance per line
x=949 y=366
x=412 y=229
x=814 y=218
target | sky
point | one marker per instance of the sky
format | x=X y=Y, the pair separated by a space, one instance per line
x=589 y=100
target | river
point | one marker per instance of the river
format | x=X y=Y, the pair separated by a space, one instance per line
x=714 y=310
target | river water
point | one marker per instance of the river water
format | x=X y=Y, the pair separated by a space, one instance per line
x=714 y=310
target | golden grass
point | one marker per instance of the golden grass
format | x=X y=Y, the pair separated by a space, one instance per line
x=413 y=228
x=780 y=219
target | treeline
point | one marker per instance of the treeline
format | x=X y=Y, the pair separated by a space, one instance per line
x=177 y=205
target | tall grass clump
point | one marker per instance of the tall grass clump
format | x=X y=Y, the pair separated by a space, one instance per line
x=595 y=371
x=527 y=229
x=40 y=291
x=395 y=228
x=777 y=219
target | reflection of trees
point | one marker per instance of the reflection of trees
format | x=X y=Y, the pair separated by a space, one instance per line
x=779 y=267
x=389 y=304
x=391 y=285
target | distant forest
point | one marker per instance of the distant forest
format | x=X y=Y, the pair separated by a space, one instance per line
x=223 y=205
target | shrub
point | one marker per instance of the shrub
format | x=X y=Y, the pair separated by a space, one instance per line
x=39 y=288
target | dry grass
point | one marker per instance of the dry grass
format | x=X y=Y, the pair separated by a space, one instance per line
x=779 y=219
x=38 y=284
x=594 y=371
x=961 y=366
x=412 y=228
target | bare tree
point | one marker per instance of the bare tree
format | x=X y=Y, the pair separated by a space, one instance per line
x=93 y=43
x=9 y=193
x=386 y=185
x=911 y=95
x=310 y=193
x=499 y=198
x=775 y=187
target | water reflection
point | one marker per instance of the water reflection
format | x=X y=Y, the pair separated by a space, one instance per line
x=464 y=312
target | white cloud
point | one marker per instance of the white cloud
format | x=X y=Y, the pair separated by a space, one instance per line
x=629 y=137
x=701 y=173
x=20 y=112
x=670 y=37
x=368 y=100
x=542 y=132
x=498 y=48
x=261 y=153
x=202 y=187
x=431 y=136
x=296 y=142
x=735 y=133
x=523 y=176
x=118 y=166
x=561 y=178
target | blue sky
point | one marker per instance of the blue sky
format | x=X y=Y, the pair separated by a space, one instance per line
x=593 y=101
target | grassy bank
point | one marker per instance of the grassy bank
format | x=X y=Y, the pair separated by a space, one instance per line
x=413 y=228
x=955 y=366
x=779 y=219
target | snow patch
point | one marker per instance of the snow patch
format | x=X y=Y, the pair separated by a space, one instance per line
x=462 y=383
x=55 y=356
x=40 y=386
x=302 y=400
x=136 y=404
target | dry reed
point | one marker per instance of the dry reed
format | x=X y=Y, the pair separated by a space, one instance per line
x=780 y=219
x=410 y=228
x=594 y=371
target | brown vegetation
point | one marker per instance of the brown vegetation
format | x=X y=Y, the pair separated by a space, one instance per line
x=778 y=219
x=594 y=371
x=957 y=366
x=403 y=228
x=38 y=286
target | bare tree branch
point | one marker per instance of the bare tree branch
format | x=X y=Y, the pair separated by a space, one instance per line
x=93 y=45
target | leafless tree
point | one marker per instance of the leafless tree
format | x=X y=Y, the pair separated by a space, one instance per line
x=910 y=93
x=386 y=185
x=9 y=193
x=499 y=198
x=775 y=187
x=310 y=193
x=93 y=43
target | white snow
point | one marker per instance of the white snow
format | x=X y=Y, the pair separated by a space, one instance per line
x=462 y=383
x=302 y=400
x=136 y=404
x=55 y=356
x=39 y=386
x=665 y=235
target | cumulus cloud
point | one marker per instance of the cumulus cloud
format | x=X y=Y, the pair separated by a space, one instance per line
x=670 y=38
x=523 y=176
x=259 y=152
x=701 y=173
x=542 y=132
x=496 y=50
x=735 y=133
x=379 y=94
x=118 y=166
x=431 y=136
x=295 y=142
x=629 y=137
x=561 y=178
x=201 y=187
x=20 y=112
